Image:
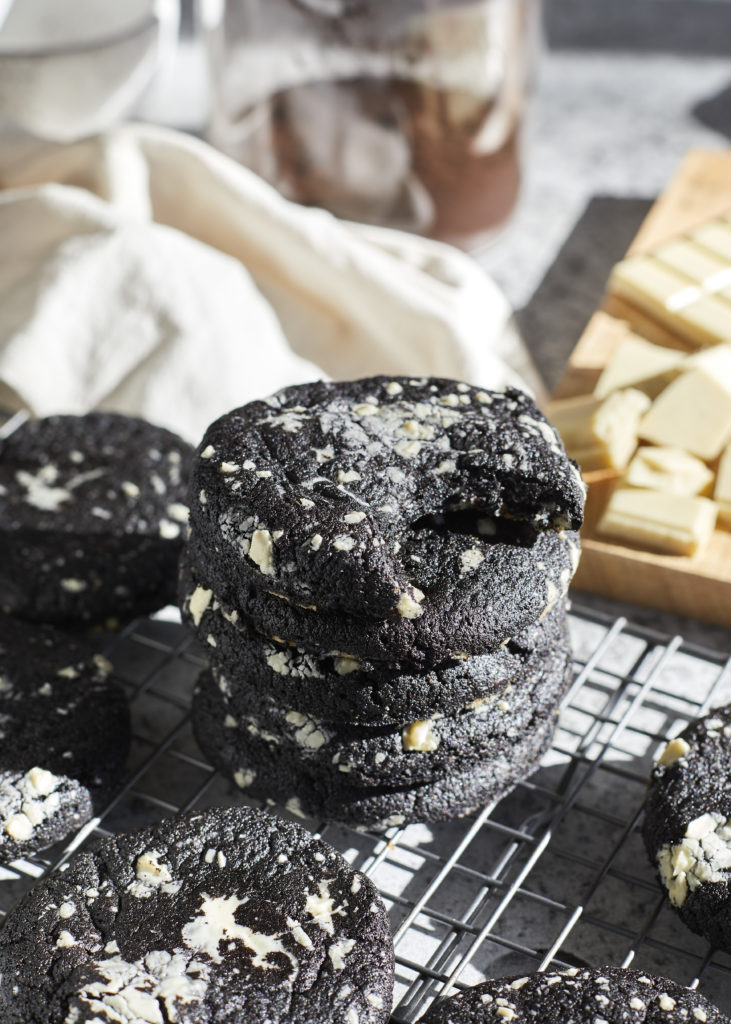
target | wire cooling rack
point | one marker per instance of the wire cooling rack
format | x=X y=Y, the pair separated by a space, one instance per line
x=555 y=874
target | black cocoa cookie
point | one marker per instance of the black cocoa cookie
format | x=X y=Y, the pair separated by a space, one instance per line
x=448 y=629
x=328 y=685
x=65 y=736
x=687 y=828
x=103 y=584
x=225 y=916
x=390 y=497
x=607 y=995
x=259 y=763
x=263 y=775
x=412 y=753
x=92 y=517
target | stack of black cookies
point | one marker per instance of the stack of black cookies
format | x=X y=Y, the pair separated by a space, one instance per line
x=379 y=570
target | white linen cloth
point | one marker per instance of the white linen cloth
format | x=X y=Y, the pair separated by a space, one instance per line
x=144 y=272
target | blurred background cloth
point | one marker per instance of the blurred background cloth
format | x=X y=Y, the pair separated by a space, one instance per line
x=144 y=272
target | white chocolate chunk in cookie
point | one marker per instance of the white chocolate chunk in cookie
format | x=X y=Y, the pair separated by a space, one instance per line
x=420 y=736
x=409 y=607
x=198 y=602
x=702 y=855
x=260 y=551
x=675 y=749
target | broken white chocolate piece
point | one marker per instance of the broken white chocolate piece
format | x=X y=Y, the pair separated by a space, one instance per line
x=694 y=413
x=420 y=736
x=673 y=752
x=716 y=362
x=409 y=607
x=639 y=364
x=600 y=434
x=722 y=493
x=669 y=523
x=670 y=470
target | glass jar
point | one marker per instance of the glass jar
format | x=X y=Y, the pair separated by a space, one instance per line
x=404 y=113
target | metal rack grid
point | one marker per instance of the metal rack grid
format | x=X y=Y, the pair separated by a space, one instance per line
x=555 y=874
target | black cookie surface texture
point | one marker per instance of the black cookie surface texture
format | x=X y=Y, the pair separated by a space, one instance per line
x=97 y=584
x=414 y=752
x=386 y=497
x=221 y=917
x=346 y=689
x=92 y=517
x=258 y=762
x=577 y=996
x=687 y=829
x=65 y=736
x=262 y=774
x=449 y=628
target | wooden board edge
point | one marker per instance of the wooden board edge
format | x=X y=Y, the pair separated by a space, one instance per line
x=698 y=191
x=679 y=593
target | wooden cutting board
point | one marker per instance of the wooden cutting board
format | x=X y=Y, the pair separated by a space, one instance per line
x=699 y=587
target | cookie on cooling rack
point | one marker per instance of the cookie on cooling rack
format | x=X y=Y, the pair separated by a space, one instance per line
x=227 y=915
x=92 y=517
x=388 y=517
x=262 y=775
x=608 y=995
x=687 y=828
x=341 y=688
x=413 y=752
x=65 y=736
x=450 y=630
x=424 y=771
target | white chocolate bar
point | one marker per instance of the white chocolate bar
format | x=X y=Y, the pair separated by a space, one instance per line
x=716 y=238
x=684 y=284
x=669 y=523
x=600 y=433
x=640 y=364
x=710 y=271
